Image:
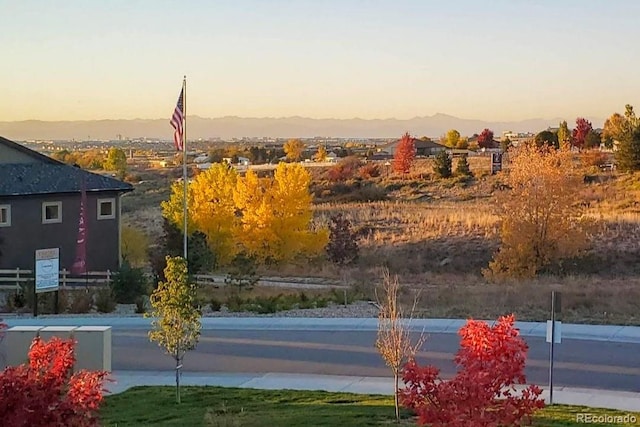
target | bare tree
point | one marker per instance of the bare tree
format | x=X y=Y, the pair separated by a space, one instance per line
x=394 y=341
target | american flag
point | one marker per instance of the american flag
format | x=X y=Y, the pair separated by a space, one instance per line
x=177 y=122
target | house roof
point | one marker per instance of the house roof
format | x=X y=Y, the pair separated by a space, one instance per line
x=419 y=144
x=21 y=148
x=48 y=176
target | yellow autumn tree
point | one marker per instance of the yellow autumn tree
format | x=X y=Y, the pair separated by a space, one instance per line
x=267 y=218
x=291 y=209
x=293 y=148
x=253 y=202
x=134 y=246
x=212 y=209
x=542 y=221
x=321 y=154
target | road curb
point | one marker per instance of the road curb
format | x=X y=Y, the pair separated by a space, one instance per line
x=608 y=333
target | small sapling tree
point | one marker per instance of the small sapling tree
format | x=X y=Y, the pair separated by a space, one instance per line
x=176 y=321
x=394 y=341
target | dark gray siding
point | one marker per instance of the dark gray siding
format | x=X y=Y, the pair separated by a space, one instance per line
x=27 y=233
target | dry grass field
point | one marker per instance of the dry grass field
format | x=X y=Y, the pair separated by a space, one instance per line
x=438 y=236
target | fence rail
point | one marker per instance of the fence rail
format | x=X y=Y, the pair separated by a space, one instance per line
x=12 y=279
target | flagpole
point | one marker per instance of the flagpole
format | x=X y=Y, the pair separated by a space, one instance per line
x=184 y=164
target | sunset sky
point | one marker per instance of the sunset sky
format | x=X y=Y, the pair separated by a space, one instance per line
x=490 y=60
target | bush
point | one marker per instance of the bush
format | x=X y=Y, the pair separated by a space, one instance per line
x=347 y=169
x=82 y=302
x=45 y=393
x=215 y=304
x=442 y=165
x=491 y=362
x=128 y=284
x=242 y=272
x=342 y=248
x=141 y=305
x=369 y=170
x=368 y=193
x=105 y=302
x=594 y=158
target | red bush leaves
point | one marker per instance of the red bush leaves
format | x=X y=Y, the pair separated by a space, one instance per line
x=44 y=392
x=482 y=394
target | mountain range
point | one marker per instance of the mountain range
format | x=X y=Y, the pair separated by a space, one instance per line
x=283 y=127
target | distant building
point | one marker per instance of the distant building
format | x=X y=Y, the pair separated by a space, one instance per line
x=332 y=157
x=424 y=148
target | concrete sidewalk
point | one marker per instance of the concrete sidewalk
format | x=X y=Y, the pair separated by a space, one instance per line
x=624 y=401
x=609 y=333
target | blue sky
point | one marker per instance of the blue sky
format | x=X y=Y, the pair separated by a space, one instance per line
x=492 y=59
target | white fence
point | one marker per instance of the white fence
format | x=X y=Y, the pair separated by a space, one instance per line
x=12 y=279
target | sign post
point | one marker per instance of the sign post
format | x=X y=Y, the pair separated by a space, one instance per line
x=496 y=163
x=47 y=274
x=553 y=336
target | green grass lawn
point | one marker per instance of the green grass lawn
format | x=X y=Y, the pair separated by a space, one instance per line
x=232 y=407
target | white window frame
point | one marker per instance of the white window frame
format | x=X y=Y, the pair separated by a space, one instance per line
x=7 y=209
x=44 y=213
x=113 y=208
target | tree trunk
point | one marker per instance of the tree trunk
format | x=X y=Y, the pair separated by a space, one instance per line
x=177 y=379
x=395 y=396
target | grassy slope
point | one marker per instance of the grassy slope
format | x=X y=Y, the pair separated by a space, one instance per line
x=216 y=406
x=438 y=235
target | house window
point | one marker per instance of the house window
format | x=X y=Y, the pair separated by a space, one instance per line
x=51 y=212
x=5 y=215
x=106 y=208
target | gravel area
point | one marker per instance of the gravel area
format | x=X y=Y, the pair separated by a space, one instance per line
x=359 y=309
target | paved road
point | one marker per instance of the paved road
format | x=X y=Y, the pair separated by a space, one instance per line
x=579 y=363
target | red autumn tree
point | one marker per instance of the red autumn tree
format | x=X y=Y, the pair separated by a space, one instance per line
x=405 y=154
x=485 y=139
x=44 y=393
x=579 y=134
x=491 y=362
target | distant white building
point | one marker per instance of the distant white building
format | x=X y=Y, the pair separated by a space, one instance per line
x=201 y=158
x=242 y=161
x=332 y=157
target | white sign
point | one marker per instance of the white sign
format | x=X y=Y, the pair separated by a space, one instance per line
x=47 y=270
x=557 y=334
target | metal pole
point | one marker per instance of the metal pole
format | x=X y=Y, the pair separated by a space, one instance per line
x=35 y=301
x=184 y=164
x=553 y=330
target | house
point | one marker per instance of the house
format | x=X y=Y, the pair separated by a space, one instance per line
x=40 y=208
x=331 y=157
x=237 y=160
x=424 y=147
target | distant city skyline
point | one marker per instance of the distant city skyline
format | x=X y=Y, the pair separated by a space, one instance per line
x=506 y=60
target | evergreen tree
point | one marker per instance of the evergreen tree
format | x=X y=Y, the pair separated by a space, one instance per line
x=564 y=134
x=628 y=154
x=442 y=165
x=462 y=168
